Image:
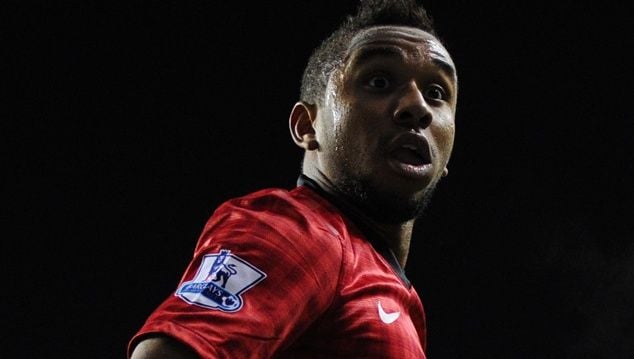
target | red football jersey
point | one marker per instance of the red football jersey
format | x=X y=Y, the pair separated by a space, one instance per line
x=282 y=274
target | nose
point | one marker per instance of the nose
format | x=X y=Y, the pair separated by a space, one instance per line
x=412 y=109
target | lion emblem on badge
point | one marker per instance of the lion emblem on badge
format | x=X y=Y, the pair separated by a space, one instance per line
x=220 y=281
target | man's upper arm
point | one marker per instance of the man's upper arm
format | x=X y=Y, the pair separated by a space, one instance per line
x=162 y=347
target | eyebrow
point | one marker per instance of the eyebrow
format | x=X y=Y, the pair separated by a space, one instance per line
x=444 y=66
x=366 y=53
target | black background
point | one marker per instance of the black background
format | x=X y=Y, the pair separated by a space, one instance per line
x=128 y=123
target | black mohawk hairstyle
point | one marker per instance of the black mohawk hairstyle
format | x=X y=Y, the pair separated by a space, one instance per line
x=329 y=55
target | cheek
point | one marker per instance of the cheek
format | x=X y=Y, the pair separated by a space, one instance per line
x=448 y=135
x=444 y=134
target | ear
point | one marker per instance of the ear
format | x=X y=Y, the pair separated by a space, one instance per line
x=300 y=123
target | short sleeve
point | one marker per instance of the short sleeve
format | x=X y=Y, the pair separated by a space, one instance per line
x=262 y=273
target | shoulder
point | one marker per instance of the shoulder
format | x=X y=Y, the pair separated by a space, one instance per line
x=277 y=229
x=298 y=203
x=294 y=214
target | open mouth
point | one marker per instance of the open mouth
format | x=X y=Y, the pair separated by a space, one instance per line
x=411 y=149
x=411 y=155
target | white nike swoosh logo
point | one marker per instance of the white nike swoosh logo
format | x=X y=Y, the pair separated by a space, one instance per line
x=387 y=318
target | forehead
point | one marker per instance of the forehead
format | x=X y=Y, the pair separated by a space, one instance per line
x=408 y=41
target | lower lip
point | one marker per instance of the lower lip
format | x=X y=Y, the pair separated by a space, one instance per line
x=416 y=172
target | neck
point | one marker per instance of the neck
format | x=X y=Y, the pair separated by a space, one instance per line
x=396 y=235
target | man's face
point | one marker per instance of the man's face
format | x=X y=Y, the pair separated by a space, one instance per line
x=386 y=128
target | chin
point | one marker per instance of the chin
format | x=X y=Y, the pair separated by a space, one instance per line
x=388 y=205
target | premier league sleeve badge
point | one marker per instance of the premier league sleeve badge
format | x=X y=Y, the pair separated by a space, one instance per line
x=220 y=281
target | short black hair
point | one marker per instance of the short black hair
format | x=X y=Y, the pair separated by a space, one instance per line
x=329 y=55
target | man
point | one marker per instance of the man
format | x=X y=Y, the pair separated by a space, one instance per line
x=317 y=271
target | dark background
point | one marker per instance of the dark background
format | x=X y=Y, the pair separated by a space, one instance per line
x=129 y=123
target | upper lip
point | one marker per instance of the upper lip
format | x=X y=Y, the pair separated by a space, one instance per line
x=416 y=142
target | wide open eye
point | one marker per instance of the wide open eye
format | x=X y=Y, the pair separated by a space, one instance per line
x=379 y=82
x=435 y=92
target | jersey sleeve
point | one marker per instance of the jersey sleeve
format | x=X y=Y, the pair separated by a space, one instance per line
x=261 y=274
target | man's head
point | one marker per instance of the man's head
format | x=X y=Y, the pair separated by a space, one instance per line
x=377 y=108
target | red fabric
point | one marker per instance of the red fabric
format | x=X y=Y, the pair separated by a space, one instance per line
x=319 y=298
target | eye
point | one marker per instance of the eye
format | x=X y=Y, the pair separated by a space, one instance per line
x=379 y=82
x=435 y=92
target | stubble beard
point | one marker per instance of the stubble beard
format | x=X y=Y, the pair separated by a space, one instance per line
x=382 y=205
x=379 y=203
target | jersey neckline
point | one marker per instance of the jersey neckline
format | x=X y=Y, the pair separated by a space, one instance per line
x=376 y=240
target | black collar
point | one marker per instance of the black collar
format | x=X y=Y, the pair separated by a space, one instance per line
x=374 y=238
